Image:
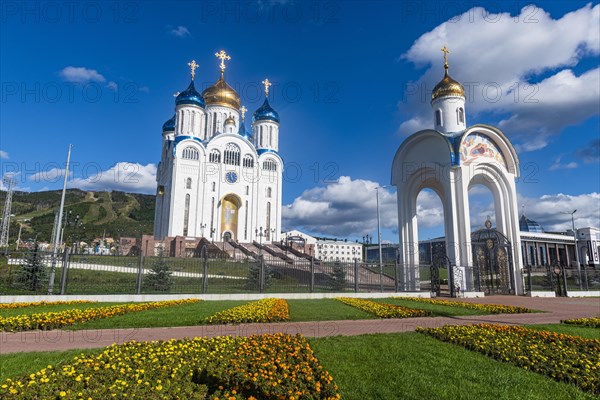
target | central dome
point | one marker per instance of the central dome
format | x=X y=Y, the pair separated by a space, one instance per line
x=447 y=87
x=221 y=94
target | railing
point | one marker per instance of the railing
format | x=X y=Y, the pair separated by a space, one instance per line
x=28 y=273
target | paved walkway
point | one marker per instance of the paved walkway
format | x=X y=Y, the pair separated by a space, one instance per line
x=555 y=309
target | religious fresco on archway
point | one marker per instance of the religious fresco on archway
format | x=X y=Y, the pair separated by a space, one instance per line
x=477 y=146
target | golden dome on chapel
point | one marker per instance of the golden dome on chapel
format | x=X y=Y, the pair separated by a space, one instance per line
x=221 y=94
x=447 y=86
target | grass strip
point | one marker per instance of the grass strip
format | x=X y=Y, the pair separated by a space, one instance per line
x=54 y=320
x=490 y=308
x=383 y=310
x=565 y=358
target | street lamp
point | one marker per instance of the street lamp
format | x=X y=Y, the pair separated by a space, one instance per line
x=576 y=248
x=379 y=237
x=212 y=233
x=260 y=233
x=202 y=226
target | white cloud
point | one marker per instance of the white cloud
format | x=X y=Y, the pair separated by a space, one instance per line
x=180 y=31
x=498 y=56
x=548 y=210
x=50 y=176
x=557 y=165
x=344 y=208
x=81 y=75
x=125 y=176
x=3 y=155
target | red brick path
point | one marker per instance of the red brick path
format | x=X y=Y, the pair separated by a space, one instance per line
x=555 y=309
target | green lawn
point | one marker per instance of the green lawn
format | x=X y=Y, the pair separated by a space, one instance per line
x=586 y=332
x=194 y=314
x=437 y=310
x=392 y=366
x=415 y=366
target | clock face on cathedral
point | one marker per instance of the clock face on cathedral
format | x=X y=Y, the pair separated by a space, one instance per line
x=231 y=177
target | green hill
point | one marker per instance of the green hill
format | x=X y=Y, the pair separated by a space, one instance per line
x=114 y=214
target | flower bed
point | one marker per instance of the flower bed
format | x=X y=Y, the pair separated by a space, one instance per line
x=565 y=358
x=265 y=310
x=491 y=308
x=54 y=320
x=42 y=303
x=257 y=367
x=593 y=322
x=383 y=310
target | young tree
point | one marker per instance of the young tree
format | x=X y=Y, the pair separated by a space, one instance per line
x=253 y=278
x=160 y=278
x=33 y=274
x=338 y=278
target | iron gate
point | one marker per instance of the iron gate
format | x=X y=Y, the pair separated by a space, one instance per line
x=492 y=256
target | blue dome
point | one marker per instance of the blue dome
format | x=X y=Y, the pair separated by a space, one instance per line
x=243 y=133
x=169 y=126
x=265 y=113
x=527 y=225
x=190 y=96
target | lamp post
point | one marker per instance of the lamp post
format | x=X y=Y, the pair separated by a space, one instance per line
x=212 y=233
x=259 y=232
x=585 y=275
x=576 y=248
x=379 y=238
x=202 y=227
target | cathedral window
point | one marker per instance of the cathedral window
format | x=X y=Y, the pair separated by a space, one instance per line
x=247 y=190
x=214 y=186
x=270 y=165
x=186 y=215
x=248 y=161
x=214 y=156
x=188 y=183
x=231 y=155
x=461 y=115
x=190 y=153
x=268 y=221
x=438 y=117
x=214 y=123
x=270 y=136
x=268 y=192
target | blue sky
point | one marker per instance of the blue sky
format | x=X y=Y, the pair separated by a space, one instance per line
x=351 y=82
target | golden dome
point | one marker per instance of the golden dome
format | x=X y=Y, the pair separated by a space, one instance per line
x=447 y=87
x=221 y=94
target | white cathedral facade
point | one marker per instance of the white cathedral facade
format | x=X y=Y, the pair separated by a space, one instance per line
x=215 y=179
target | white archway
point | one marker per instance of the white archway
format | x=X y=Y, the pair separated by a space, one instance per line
x=450 y=164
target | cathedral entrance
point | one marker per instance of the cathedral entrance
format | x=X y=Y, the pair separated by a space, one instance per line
x=492 y=256
x=230 y=206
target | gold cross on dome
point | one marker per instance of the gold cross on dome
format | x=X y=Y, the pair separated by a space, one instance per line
x=267 y=84
x=222 y=56
x=243 y=110
x=446 y=52
x=192 y=64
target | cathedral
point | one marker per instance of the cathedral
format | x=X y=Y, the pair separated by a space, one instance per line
x=215 y=179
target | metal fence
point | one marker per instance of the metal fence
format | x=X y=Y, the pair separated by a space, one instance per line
x=30 y=273
x=556 y=277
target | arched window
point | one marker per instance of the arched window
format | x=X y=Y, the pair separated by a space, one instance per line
x=270 y=165
x=268 y=221
x=188 y=183
x=247 y=190
x=268 y=192
x=231 y=155
x=186 y=215
x=270 y=136
x=190 y=153
x=214 y=156
x=214 y=186
x=438 y=117
x=248 y=161
x=461 y=115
